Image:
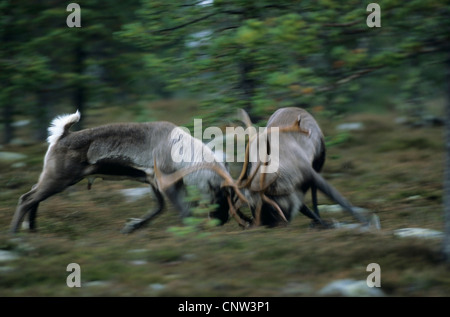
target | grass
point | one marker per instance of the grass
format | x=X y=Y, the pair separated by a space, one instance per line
x=391 y=169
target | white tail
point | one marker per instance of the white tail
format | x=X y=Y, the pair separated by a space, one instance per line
x=60 y=125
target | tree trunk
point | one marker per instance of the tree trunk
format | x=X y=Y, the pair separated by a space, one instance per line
x=42 y=117
x=79 y=95
x=446 y=193
x=8 y=130
x=247 y=85
x=246 y=65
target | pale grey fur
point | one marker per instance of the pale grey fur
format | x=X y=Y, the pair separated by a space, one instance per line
x=123 y=150
x=300 y=159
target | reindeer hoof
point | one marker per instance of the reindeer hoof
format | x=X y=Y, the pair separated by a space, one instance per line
x=131 y=225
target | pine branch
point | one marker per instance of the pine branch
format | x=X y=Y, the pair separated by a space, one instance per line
x=349 y=78
x=365 y=71
x=341 y=25
x=205 y=17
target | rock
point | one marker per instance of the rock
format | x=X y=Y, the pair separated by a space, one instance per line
x=189 y=257
x=20 y=142
x=96 y=284
x=401 y=120
x=418 y=233
x=21 y=245
x=341 y=225
x=339 y=208
x=137 y=250
x=157 y=286
x=134 y=194
x=374 y=220
x=352 y=126
x=138 y=262
x=293 y=289
x=21 y=123
x=6 y=269
x=11 y=156
x=7 y=256
x=19 y=165
x=330 y=208
x=351 y=288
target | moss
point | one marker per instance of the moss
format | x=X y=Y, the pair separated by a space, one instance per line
x=84 y=227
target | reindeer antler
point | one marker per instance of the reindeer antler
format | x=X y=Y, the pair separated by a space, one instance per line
x=166 y=180
x=295 y=127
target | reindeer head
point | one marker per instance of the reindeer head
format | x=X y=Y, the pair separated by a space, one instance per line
x=248 y=189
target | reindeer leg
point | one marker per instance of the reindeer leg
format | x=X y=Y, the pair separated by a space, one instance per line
x=136 y=223
x=331 y=192
x=258 y=208
x=26 y=204
x=314 y=199
x=316 y=220
x=176 y=194
x=308 y=213
x=29 y=202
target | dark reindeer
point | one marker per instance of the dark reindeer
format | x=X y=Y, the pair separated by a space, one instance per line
x=126 y=151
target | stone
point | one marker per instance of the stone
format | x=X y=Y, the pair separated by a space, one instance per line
x=296 y=289
x=21 y=123
x=11 y=156
x=157 y=286
x=96 y=284
x=138 y=262
x=338 y=208
x=418 y=233
x=134 y=194
x=7 y=256
x=350 y=288
x=19 y=165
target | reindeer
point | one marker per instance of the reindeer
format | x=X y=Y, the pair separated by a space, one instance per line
x=127 y=151
x=313 y=146
x=301 y=157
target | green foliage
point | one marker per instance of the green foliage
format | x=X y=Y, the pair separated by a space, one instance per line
x=199 y=220
x=257 y=55
x=404 y=144
x=337 y=139
x=260 y=56
x=44 y=62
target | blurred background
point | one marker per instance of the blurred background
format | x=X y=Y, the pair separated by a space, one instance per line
x=379 y=94
x=218 y=56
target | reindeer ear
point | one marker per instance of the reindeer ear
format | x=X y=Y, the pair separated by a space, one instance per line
x=297 y=121
x=296 y=126
x=244 y=117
